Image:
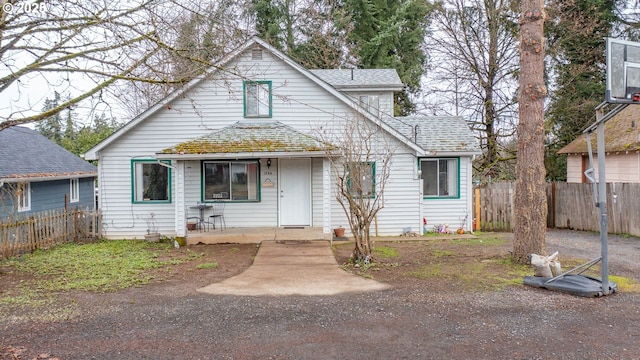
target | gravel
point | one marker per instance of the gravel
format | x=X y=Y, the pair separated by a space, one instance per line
x=400 y=323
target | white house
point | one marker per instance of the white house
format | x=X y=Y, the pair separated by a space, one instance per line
x=245 y=134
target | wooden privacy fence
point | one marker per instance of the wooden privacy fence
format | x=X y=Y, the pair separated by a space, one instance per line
x=570 y=206
x=24 y=234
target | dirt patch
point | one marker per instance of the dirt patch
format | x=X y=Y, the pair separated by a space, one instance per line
x=450 y=299
x=441 y=264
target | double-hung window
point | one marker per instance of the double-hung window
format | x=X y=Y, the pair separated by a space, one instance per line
x=440 y=177
x=371 y=103
x=361 y=179
x=151 y=181
x=74 y=190
x=23 y=195
x=230 y=180
x=257 y=98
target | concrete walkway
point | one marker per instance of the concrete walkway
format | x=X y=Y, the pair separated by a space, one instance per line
x=293 y=267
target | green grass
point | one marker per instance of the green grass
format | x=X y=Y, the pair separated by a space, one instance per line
x=441 y=253
x=625 y=284
x=101 y=266
x=487 y=240
x=385 y=252
x=210 y=265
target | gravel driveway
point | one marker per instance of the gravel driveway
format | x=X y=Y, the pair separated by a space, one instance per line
x=400 y=323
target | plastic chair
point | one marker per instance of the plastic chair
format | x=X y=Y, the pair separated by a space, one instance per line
x=218 y=213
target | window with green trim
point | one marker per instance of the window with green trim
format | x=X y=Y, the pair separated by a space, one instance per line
x=151 y=181
x=257 y=98
x=440 y=177
x=230 y=180
x=361 y=179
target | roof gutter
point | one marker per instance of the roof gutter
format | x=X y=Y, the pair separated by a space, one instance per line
x=243 y=155
x=450 y=153
x=44 y=178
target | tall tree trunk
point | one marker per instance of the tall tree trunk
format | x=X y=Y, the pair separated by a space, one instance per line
x=531 y=199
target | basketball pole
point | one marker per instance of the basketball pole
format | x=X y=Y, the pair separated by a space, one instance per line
x=602 y=203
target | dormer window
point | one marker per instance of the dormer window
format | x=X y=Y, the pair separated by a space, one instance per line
x=257 y=99
x=371 y=103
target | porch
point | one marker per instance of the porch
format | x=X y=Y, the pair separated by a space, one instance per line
x=255 y=235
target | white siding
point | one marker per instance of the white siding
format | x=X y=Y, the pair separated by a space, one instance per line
x=452 y=211
x=206 y=108
x=401 y=198
x=214 y=104
x=316 y=192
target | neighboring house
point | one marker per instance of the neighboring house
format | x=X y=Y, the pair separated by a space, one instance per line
x=37 y=174
x=247 y=136
x=622 y=146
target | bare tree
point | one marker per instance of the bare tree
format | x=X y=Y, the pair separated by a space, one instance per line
x=473 y=61
x=198 y=39
x=531 y=198
x=83 y=47
x=360 y=158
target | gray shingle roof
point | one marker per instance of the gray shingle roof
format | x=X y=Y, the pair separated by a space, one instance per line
x=437 y=133
x=250 y=137
x=26 y=154
x=360 y=78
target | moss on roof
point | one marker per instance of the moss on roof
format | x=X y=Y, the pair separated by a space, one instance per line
x=621 y=133
x=241 y=138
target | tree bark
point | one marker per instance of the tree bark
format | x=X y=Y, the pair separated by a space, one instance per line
x=531 y=199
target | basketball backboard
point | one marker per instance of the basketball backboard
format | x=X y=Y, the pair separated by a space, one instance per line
x=623 y=72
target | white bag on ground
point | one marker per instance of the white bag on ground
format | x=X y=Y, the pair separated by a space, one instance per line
x=546 y=266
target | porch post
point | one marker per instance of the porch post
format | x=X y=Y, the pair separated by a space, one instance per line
x=326 y=196
x=178 y=197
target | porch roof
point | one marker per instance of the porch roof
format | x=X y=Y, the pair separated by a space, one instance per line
x=249 y=138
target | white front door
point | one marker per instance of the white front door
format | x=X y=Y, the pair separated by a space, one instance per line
x=295 y=192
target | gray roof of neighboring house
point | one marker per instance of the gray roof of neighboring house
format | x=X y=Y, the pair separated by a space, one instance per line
x=250 y=138
x=438 y=134
x=362 y=79
x=25 y=154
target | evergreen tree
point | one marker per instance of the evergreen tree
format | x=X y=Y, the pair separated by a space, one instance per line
x=51 y=127
x=576 y=30
x=390 y=34
x=368 y=34
x=271 y=16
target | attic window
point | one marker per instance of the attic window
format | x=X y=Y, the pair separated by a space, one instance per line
x=257 y=98
x=256 y=53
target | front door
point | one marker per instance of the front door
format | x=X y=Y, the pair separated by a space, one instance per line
x=295 y=192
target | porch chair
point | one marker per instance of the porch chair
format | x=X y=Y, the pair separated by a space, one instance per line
x=218 y=213
x=193 y=219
